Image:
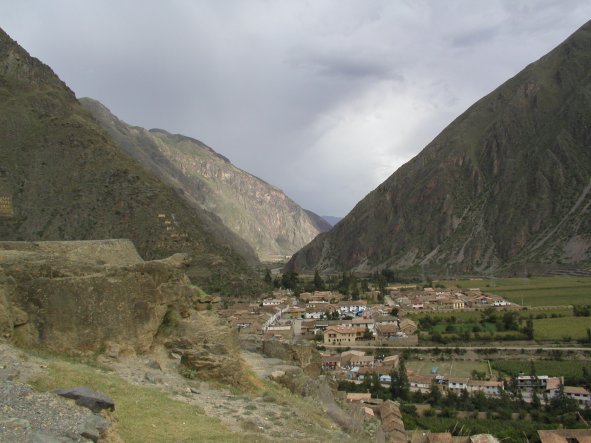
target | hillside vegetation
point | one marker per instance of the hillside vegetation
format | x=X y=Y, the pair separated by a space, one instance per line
x=506 y=184
x=62 y=178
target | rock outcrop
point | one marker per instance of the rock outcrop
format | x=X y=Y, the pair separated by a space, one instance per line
x=85 y=295
x=208 y=348
x=304 y=356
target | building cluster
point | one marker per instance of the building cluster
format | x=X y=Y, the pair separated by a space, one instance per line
x=445 y=299
x=549 y=387
x=323 y=316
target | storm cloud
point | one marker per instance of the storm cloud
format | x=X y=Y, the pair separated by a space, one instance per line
x=323 y=99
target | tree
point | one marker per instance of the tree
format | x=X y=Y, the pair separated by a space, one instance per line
x=529 y=329
x=435 y=394
x=268 y=279
x=399 y=386
x=318 y=282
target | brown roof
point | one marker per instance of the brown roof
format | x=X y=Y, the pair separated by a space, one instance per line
x=575 y=390
x=486 y=383
x=561 y=435
x=439 y=437
x=464 y=380
x=391 y=327
x=423 y=379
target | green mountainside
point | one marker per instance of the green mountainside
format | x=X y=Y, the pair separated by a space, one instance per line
x=269 y=221
x=507 y=184
x=62 y=178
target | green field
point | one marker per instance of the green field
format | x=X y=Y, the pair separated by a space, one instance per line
x=534 y=291
x=560 y=328
x=449 y=368
x=569 y=369
x=459 y=315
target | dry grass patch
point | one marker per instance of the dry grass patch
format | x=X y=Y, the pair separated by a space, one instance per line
x=144 y=414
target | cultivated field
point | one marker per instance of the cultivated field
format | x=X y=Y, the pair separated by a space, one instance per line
x=449 y=368
x=574 y=328
x=534 y=291
x=553 y=368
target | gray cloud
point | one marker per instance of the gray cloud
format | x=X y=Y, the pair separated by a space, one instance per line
x=324 y=99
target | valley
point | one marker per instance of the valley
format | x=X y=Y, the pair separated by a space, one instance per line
x=152 y=291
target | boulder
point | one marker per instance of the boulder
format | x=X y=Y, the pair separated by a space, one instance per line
x=95 y=401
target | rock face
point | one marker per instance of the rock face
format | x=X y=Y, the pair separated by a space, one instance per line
x=62 y=178
x=508 y=183
x=208 y=347
x=304 y=355
x=79 y=296
x=270 y=222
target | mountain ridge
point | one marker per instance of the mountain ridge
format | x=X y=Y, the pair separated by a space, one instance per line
x=62 y=178
x=505 y=184
x=260 y=213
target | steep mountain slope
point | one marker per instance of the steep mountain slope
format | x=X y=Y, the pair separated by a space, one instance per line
x=507 y=183
x=62 y=178
x=259 y=213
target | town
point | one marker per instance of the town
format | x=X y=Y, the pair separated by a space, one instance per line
x=381 y=345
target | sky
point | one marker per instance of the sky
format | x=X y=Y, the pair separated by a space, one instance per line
x=323 y=99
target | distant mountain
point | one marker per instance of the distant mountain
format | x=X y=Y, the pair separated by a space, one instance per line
x=62 y=178
x=269 y=221
x=331 y=219
x=506 y=184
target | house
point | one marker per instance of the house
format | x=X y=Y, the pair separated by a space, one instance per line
x=361 y=361
x=407 y=326
x=530 y=382
x=387 y=331
x=391 y=361
x=331 y=362
x=488 y=387
x=294 y=312
x=565 y=436
x=353 y=307
x=457 y=384
x=335 y=335
x=581 y=395
x=455 y=304
x=420 y=383
x=363 y=323
x=272 y=302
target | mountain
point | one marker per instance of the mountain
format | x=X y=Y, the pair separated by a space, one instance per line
x=506 y=184
x=269 y=221
x=62 y=178
x=331 y=219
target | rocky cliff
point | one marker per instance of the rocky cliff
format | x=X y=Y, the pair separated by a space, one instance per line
x=62 y=178
x=272 y=223
x=85 y=295
x=506 y=184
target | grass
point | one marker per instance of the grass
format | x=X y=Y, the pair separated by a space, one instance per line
x=144 y=414
x=534 y=291
x=561 y=328
x=449 y=368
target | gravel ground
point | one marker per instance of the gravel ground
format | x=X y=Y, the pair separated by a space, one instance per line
x=30 y=417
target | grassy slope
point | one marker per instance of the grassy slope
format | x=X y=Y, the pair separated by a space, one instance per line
x=144 y=414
